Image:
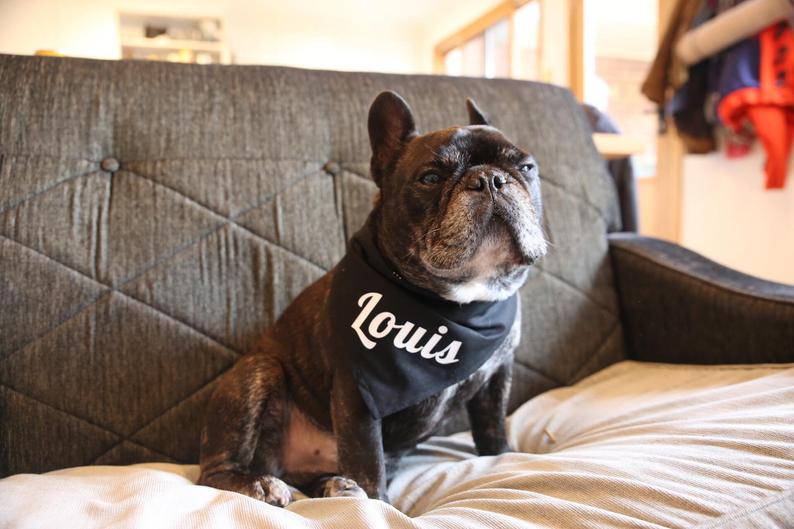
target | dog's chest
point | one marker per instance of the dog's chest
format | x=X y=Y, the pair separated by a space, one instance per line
x=309 y=448
x=404 y=429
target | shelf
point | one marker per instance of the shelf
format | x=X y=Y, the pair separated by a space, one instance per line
x=612 y=146
x=160 y=43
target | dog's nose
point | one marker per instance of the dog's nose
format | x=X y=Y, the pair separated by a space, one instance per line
x=492 y=181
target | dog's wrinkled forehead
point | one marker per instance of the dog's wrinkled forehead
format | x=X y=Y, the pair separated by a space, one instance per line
x=464 y=146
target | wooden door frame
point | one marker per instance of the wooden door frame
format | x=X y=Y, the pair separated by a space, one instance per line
x=663 y=194
x=670 y=162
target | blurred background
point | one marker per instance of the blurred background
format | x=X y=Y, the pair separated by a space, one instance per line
x=601 y=49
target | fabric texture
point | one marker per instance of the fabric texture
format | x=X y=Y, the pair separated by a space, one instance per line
x=403 y=343
x=681 y=307
x=620 y=169
x=155 y=218
x=637 y=445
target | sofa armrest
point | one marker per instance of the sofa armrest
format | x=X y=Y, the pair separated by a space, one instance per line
x=678 y=306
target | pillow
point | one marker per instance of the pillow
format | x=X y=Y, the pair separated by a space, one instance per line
x=636 y=445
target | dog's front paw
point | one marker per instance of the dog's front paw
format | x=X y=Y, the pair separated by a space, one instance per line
x=341 y=487
x=493 y=447
x=273 y=491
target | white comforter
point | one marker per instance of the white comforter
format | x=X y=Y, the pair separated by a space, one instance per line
x=637 y=445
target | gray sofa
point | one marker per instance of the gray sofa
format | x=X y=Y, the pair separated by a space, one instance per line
x=155 y=218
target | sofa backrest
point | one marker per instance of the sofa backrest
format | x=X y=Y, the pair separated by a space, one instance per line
x=156 y=218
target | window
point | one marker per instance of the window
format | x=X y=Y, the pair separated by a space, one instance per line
x=620 y=40
x=504 y=42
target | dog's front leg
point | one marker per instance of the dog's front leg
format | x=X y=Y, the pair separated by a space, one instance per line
x=487 y=411
x=358 y=437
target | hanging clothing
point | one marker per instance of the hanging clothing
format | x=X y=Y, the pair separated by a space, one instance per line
x=689 y=109
x=667 y=71
x=689 y=86
x=757 y=86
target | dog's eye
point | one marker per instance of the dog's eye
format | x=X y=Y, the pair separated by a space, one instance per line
x=430 y=178
x=529 y=170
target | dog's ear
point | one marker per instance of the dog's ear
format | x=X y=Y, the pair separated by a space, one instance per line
x=476 y=116
x=391 y=125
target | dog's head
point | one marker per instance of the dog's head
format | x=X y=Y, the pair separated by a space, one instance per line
x=459 y=209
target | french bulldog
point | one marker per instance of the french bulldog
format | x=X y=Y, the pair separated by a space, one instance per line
x=458 y=215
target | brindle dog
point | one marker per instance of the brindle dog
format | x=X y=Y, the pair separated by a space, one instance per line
x=458 y=213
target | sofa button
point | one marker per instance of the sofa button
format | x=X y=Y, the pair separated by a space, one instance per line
x=110 y=164
x=332 y=168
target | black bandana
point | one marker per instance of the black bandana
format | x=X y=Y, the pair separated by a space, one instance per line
x=405 y=344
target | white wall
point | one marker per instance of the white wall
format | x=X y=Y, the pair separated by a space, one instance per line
x=84 y=28
x=300 y=33
x=258 y=35
x=729 y=217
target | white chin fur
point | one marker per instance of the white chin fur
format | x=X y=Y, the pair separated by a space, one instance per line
x=477 y=290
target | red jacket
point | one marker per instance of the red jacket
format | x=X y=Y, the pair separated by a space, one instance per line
x=768 y=103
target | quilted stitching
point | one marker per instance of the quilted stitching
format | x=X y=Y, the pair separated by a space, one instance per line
x=177 y=261
x=9 y=373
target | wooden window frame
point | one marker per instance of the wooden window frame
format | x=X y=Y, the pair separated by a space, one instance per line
x=576 y=48
x=505 y=10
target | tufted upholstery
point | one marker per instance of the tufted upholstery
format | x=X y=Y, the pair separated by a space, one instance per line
x=155 y=218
